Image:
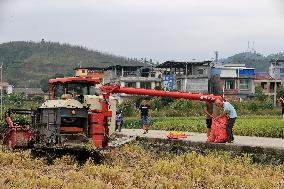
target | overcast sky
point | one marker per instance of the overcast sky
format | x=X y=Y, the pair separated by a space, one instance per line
x=158 y=29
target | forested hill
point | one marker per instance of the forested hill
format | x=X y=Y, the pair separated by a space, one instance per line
x=255 y=60
x=26 y=63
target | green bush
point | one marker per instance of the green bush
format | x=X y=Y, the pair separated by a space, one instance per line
x=128 y=108
x=38 y=99
x=168 y=107
x=280 y=91
x=14 y=99
x=256 y=107
x=156 y=103
x=260 y=94
x=181 y=104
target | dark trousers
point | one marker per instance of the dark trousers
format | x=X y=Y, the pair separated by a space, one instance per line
x=230 y=126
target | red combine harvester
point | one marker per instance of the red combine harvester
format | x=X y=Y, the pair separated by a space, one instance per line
x=77 y=117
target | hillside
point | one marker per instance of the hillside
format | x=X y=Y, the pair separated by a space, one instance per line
x=258 y=61
x=30 y=64
x=26 y=63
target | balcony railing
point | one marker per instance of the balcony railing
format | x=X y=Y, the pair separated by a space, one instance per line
x=140 y=79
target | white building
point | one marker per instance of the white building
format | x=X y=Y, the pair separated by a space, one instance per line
x=276 y=69
x=7 y=89
x=133 y=76
x=186 y=76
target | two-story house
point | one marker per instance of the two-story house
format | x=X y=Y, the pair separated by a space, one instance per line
x=233 y=80
x=267 y=83
x=146 y=77
x=276 y=69
x=90 y=72
x=186 y=76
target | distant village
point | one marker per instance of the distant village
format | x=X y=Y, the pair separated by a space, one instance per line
x=233 y=80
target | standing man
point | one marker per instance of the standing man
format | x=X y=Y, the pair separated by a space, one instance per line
x=228 y=110
x=281 y=100
x=145 y=115
x=208 y=109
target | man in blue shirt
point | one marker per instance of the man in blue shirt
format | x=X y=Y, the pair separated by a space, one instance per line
x=229 y=111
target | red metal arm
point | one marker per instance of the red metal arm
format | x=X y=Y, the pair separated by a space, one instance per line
x=153 y=92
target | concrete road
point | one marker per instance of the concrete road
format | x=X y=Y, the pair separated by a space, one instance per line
x=261 y=142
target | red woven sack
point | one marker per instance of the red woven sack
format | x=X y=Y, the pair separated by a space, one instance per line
x=218 y=132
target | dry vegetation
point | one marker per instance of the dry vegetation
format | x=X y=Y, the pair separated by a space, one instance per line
x=131 y=166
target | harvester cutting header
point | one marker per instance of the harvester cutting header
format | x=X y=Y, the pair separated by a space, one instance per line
x=77 y=116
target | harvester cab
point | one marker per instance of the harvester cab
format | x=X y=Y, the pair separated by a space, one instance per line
x=72 y=88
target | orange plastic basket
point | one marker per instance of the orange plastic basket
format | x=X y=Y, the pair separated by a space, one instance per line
x=176 y=135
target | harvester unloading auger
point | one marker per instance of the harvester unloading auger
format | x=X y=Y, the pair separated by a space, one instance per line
x=76 y=120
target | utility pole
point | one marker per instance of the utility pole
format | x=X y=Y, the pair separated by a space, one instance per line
x=275 y=86
x=248 y=49
x=216 y=58
x=275 y=93
x=1 y=89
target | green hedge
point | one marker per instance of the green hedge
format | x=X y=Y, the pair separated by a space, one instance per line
x=261 y=126
x=166 y=107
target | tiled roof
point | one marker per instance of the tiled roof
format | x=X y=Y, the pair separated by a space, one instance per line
x=28 y=90
x=263 y=75
x=4 y=84
x=173 y=64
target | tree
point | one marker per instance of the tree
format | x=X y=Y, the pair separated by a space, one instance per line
x=44 y=82
x=260 y=94
x=14 y=99
x=12 y=82
x=127 y=107
x=280 y=92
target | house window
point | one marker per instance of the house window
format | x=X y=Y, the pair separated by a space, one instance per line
x=263 y=85
x=130 y=84
x=230 y=84
x=244 y=84
x=83 y=71
x=179 y=85
x=145 y=85
x=200 y=71
x=281 y=70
